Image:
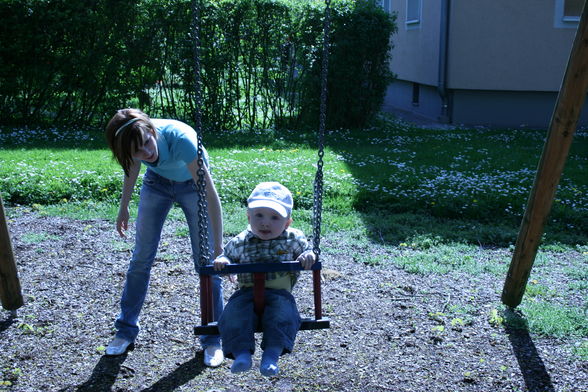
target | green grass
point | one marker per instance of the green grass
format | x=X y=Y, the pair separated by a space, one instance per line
x=437 y=201
x=580 y=349
x=427 y=255
x=459 y=185
x=551 y=319
x=35 y=238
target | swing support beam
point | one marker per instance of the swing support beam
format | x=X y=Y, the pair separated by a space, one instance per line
x=10 y=291
x=559 y=139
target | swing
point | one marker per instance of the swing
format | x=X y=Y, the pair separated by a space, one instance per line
x=208 y=326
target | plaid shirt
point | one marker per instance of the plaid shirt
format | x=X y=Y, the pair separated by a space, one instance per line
x=247 y=248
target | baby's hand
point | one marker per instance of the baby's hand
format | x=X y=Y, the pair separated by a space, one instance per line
x=220 y=262
x=307 y=259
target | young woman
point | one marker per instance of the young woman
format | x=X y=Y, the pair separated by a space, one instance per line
x=169 y=149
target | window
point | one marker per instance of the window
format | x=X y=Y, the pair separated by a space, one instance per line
x=416 y=94
x=567 y=13
x=573 y=10
x=386 y=5
x=413 y=13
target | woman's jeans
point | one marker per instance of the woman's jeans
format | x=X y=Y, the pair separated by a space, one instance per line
x=280 y=322
x=157 y=197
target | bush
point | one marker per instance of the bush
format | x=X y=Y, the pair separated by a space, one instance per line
x=260 y=61
x=359 y=70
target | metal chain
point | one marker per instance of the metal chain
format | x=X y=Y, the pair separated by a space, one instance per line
x=204 y=256
x=318 y=180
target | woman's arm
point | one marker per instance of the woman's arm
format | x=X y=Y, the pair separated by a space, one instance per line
x=214 y=206
x=122 y=221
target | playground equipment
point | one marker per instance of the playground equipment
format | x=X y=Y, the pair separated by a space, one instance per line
x=562 y=127
x=10 y=291
x=208 y=327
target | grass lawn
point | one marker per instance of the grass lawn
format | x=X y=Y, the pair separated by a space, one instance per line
x=391 y=181
x=435 y=199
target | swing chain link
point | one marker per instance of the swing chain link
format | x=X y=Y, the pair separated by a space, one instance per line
x=201 y=183
x=318 y=180
x=204 y=255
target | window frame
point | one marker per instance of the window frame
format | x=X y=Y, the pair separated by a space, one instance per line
x=561 y=21
x=386 y=5
x=415 y=21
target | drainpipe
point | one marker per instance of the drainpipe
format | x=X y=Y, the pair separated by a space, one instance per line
x=445 y=116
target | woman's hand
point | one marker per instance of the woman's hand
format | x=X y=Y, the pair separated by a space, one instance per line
x=122 y=221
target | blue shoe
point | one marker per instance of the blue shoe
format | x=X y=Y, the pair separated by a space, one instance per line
x=269 y=369
x=269 y=361
x=119 y=346
x=242 y=362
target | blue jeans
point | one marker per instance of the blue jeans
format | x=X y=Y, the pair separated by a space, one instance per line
x=157 y=197
x=280 y=322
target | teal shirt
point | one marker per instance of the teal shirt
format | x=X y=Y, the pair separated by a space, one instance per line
x=177 y=145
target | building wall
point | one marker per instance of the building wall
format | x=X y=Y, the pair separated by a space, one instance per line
x=503 y=109
x=506 y=109
x=415 y=56
x=399 y=96
x=505 y=63
x=502 y=45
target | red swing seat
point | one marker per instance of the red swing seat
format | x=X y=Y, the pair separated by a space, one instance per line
x=209 y=327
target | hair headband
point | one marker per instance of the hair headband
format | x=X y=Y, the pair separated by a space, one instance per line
x=126 y=125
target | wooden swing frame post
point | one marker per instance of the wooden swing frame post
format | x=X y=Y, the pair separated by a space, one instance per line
x=561 y=131
x=10 y=291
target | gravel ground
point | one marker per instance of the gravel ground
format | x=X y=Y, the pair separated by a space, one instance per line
x=389 y=329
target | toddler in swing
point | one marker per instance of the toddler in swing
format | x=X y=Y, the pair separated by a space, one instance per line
x=268 y=239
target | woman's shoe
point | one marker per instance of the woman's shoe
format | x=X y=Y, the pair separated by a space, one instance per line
x=119 y=346
x=213 y=356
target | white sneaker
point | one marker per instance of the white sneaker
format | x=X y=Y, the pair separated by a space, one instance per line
x=119 y=346
x=213 y=356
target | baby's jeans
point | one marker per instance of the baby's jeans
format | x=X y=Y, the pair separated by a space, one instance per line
x=157 y=197
x=280 y=322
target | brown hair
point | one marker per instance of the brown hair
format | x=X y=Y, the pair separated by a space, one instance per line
x=121 y=138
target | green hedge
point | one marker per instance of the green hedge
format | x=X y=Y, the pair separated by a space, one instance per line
x=77 y=62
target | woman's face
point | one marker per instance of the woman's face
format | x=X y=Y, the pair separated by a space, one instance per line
x=147 y=151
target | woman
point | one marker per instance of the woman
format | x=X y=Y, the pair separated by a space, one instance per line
x=169 y=149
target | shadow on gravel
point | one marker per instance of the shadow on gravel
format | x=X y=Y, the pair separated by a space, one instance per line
x=108 y=369
x=536 y=377
x=104 y=374
x=182 y=375
x=5 y=324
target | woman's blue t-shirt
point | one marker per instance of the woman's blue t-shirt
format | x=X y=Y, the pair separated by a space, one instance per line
x=177 y=145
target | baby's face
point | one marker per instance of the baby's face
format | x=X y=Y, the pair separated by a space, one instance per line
x=266 y=223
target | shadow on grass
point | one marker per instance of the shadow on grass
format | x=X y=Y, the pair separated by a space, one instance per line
x=182 y=375
x=392 y=227
x=536 y=377
x=104 y=374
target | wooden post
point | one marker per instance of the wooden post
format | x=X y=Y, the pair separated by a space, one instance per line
x=561 y=131
x=10 y=293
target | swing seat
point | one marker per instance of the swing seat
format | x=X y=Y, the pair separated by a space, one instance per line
x=209 y=327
